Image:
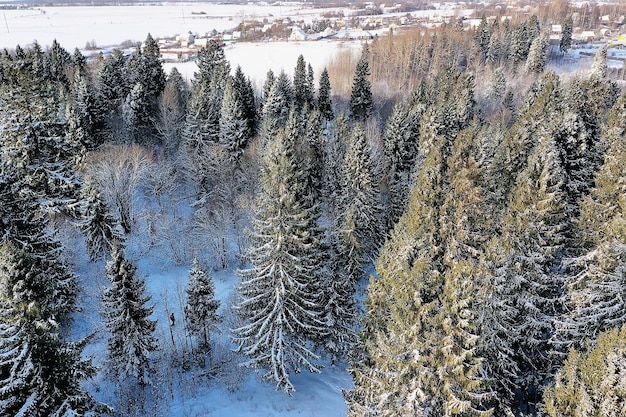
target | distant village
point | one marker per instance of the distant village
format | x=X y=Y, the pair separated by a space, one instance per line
x=370 y=20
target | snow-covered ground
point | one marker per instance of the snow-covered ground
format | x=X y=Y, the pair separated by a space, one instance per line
x=73 y=27
x=224 y=388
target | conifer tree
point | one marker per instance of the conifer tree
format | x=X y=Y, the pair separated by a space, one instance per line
x=537 y=55
x=334 y=153
x=483 y=36
x=111 y=82
x=302 y=90
x=599 y=66
x=233 y=123
x=361 y=104
x=136 y=116
x=37 y=171
x=270 y=79
x=85 y=118
x=99 y=226
x=396 y=376
x=596 y=273
x=245 y=95
x=202 y=122
x=127 y=319
x=526 y=280
x=58 y=63
x=313 y=162
x=591 y=382
x=280 y=293
x=541 y=105
x=41 y=373
x=172 y=110
x=201 y=308
x=400 y=141
x=566 y=34
x=359 y=225
x=324 y=101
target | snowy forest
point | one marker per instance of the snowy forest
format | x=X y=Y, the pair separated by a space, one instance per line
x=445 y=216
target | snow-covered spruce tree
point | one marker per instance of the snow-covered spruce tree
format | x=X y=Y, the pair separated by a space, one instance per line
x=340 y=310
x=135 y=115
x=233 y=124
x=599 y=66
x=143 y=68
x=276 y=108
x=359 y=226
x=270 y=79
x=541 y=105
x=396 y=375
x=421 y=333
x=302 y=90
x=324 y=100
x=37 y=172
x=33 y=129
x=58 y=63
x=578 y=136
x=399 y=150
x=97 y=223
x=592 y=382
x=201 y=308
x=85 y=121
x=202 y=121
x=537 y=55
x=482 y=35
x=280 y=289
x=597 y=274
x=40 y=373
x=525 y=281
x=361 y=103
x=566 y=34
x=127 y=319
x=245 y=95
x=110 y=81
x=334 y=152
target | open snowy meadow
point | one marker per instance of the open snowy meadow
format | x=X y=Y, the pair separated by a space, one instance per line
x=237 y=392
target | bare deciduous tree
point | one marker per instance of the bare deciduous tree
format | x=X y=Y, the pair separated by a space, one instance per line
x=119 y=170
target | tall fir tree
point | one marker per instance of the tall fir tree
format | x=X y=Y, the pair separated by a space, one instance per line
x=302 y=89
x=596 y=274
x=324 y=99
x=37 y=171
x=245 y=95
x=591 y=382
x=537 y=55
x=361 y=102
x=233 y=123
x=526 y=280
x=201 y=308
x=401 y=302
x=41 y=373
x=280 y=290
x=359 y=226
x=565 y=42
x=127 y=318
x=97 y=223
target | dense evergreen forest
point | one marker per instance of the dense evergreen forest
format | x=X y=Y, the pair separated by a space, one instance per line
x=487 y=192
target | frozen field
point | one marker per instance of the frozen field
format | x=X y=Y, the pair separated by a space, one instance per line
x=72 y=27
